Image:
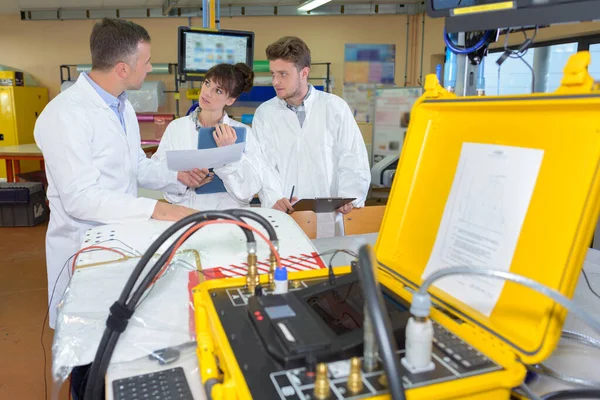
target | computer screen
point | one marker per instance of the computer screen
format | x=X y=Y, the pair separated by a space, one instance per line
x=200 y=50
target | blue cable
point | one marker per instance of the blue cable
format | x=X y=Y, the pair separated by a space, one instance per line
x=472 y=49
x=450 y=69
x=481 y=75
x=192 y=108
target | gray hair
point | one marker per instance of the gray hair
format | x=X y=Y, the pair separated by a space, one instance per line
x=113 y=41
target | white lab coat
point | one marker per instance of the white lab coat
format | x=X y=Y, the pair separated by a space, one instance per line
x=242 y=179
x=326 y=157
x=93 y=169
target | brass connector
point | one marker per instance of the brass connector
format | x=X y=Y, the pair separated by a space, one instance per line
x=252 y=278
x=355 y=383
x=322 y=389
x=273 y=267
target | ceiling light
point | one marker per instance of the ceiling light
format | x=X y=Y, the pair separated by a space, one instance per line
x=312 y=4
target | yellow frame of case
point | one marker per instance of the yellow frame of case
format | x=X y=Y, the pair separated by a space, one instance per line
x=524 y=327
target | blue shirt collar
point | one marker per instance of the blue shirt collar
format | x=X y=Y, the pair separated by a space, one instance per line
x=109 y=99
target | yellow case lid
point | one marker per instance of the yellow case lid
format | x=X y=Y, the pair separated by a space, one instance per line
x=558 y=224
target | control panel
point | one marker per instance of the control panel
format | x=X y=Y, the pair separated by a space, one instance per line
x=274 y=369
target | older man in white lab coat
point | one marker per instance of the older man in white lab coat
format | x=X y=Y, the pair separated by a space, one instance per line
x=311 y=138
x=90 y=139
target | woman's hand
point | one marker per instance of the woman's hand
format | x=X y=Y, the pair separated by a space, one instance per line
x=224 y=135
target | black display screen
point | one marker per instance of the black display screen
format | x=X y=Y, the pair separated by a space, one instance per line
x=342 y=308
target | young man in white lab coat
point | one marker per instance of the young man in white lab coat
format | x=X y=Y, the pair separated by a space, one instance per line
x=90 y=139
x=311 y=138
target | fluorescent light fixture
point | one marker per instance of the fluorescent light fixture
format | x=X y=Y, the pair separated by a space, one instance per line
x=312 y=4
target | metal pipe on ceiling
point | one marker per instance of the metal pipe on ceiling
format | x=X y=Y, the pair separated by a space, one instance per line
x=218 y=13
x=233 y=11
x=212 y=14
x=205 y=14
x=168 y=5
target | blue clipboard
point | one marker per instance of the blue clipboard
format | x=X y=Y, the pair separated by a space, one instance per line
x=207 y=141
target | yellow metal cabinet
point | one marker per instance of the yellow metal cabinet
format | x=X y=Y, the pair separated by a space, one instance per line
x=19 y=108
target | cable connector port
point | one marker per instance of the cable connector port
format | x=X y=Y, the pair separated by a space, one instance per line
x=272 y=269
x=281 y=280
x=252 y=278
x=419 y=343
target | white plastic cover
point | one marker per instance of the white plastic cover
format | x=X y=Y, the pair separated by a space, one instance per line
x=161 y=320
x=65 y=85
x=149 y=98
x=165 y=318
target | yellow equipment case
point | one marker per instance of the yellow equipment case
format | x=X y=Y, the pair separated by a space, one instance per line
x=523 y=327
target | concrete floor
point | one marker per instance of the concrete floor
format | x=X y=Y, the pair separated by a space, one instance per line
x=23 y=306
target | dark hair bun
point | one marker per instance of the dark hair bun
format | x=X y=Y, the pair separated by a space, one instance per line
x=235 y=79
x=247 y=76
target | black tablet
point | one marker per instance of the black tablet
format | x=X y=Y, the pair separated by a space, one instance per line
x=321 y=204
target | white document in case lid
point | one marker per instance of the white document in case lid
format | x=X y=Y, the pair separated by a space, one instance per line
x=186 y=160
x=482 y=220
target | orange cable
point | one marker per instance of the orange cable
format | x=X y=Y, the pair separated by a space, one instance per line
x=193 y=229
x=92 y=248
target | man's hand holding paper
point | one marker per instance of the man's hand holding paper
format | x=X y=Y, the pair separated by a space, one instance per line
x=187 y=160
x=195 y=178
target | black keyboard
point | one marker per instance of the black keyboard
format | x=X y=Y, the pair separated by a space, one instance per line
x=459 y=351
x=170 y=384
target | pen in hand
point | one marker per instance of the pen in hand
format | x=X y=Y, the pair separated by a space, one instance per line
x=290 y=209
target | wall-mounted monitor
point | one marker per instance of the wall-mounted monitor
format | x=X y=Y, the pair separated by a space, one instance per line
x=199 y=50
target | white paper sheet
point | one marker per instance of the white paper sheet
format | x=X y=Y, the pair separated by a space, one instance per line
x=185 y=160
x=483 y=218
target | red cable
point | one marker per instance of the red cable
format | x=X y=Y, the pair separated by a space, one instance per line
x=92 y=248
x=193 y=229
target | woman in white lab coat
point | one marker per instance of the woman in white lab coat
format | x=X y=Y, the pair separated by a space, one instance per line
x=223 y=84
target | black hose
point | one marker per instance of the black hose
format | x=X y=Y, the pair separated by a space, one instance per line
x=258 y=218
x=156 y=269
x=89 y=386
x=109 y=339
x=572 y=394
x=98 y=387
x=381 y=322
x=198 y=217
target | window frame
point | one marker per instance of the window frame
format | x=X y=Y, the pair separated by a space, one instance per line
x=583 y=42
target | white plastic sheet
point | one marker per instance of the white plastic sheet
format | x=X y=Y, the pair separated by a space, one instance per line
x=161 y=319
x=149 y=98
